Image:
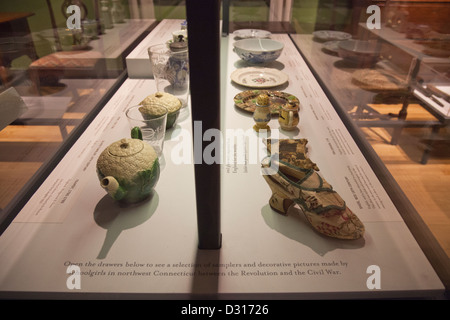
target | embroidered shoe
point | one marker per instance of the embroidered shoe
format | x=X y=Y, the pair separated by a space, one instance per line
x=325 y=210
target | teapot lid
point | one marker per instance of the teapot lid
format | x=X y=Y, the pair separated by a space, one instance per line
x=178 y=46
x=263 y=100
x=126 y=147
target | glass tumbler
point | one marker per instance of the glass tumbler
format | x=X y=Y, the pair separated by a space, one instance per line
x=151 y=120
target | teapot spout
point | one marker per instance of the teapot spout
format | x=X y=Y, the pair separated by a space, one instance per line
x=112 y=186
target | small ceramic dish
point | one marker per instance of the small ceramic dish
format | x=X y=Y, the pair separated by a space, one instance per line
x=329 y=35
x=364 y=53
x=251 y=33
x=259 y=77
x=246 y=100
x=331 y=47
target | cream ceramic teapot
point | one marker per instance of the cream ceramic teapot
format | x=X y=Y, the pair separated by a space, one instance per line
x=128 y=170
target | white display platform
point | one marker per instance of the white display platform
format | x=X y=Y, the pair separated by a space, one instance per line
x=116 y=40
x=387 y=242
x=138 y=62
x=151 y=250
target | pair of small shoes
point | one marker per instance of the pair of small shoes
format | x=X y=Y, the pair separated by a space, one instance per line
x=325 y=210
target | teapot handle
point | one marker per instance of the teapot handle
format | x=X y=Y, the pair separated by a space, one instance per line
x=136 y=133
x=291 y=117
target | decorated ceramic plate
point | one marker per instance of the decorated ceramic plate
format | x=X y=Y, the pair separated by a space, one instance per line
x=259 y=77
x=251 y=33
x=246 y=100
x=329 y=35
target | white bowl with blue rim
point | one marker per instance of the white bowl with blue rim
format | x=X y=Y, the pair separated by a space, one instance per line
x=258 y=51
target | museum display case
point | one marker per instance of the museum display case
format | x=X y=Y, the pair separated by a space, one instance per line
x=310 y=160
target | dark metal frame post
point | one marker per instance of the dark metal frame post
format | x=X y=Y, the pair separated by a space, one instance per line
x=225 y=17
x=203 y=19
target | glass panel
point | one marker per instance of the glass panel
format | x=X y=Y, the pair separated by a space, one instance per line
x=64 y=62
x=385 y=65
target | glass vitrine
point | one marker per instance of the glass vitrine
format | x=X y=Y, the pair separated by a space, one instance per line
x=373 y=83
